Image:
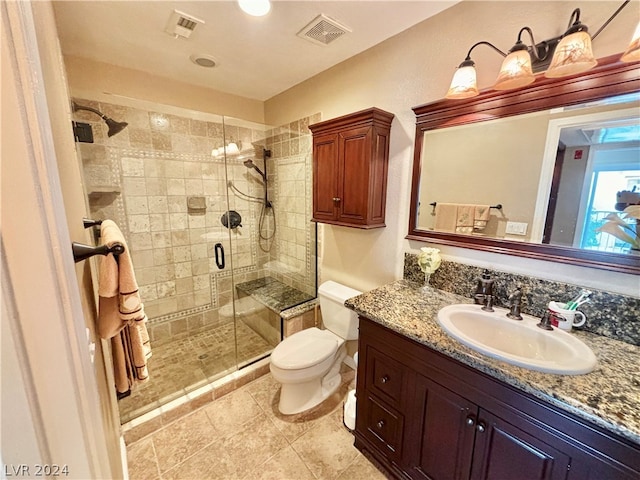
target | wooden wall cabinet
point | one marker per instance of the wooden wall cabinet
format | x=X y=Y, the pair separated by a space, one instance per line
x=350 y=158
x=424 y=416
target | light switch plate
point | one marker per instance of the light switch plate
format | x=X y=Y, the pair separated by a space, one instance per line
x=516 y=228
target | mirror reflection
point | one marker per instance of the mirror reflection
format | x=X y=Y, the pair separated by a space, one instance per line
x=549 y=177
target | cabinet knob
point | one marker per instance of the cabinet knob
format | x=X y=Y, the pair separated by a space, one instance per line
x=380 y=424
x=336 y=199
x=481 y=427
x=385 y=379
x=470 y=421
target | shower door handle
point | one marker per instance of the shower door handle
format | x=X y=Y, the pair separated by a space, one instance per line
x=219 y=251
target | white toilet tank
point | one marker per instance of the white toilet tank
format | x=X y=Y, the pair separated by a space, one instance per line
x=335 y=316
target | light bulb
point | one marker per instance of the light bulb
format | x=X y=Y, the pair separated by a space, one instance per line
x=257 y=8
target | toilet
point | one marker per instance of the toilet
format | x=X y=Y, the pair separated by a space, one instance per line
x=307 y=363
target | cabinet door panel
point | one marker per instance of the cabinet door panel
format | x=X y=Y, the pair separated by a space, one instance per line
x=325 y=175
x=503 y=451
x=447 y=433
x=353 y=181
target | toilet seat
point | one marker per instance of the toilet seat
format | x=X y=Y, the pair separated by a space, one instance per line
x=305 y=349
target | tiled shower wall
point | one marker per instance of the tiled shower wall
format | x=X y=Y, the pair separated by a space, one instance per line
x=146 y=177
x=295 y=255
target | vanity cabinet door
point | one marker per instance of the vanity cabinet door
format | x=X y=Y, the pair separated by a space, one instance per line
x=442 y=448
x=503 y=451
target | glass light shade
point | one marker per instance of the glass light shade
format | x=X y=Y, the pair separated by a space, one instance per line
x=573 y=55
x=516 y=71
x=632 y=54
x=257 y=8
x=463 y=84
x=232 y=149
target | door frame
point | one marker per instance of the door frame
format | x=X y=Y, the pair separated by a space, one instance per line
x=45 y=325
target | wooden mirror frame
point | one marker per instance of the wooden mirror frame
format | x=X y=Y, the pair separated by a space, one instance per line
x=610 y=78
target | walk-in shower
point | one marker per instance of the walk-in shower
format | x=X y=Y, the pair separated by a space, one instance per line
x=208 y=316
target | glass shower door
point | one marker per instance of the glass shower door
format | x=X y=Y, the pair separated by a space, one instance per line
x=256 y=329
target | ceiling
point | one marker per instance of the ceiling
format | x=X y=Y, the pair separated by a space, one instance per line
x=256 y=57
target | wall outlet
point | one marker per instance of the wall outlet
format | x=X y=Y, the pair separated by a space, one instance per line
x=516 y=228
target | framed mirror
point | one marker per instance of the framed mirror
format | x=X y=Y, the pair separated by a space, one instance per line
x=546 y=162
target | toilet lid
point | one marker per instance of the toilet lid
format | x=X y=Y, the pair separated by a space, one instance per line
x=305 y=349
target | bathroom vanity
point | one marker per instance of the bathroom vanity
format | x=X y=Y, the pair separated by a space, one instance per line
x=430 y=408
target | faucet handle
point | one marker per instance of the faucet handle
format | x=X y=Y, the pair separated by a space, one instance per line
x=545 y=321
x=515 y=302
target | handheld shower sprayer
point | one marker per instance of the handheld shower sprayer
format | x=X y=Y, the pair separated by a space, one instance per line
x=249 y=164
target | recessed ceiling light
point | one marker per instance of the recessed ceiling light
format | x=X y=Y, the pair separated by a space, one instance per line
x=257 y=8
x=203 y=60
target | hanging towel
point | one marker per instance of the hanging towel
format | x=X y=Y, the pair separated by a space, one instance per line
x=121 y=314
x=446 y=215
x=481 y=217
x=464 y=218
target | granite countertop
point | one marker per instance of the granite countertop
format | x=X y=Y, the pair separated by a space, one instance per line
x=609 y=396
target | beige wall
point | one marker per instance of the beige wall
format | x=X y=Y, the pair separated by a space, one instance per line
x=414 y=68
x=109 y=83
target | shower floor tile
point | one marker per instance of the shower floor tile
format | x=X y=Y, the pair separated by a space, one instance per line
x=184 y=365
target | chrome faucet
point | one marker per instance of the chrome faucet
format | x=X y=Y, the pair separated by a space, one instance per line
x=484 y=292
x=515 y=304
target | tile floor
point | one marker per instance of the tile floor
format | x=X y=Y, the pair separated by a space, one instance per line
x=185 y=364
x=243 y=436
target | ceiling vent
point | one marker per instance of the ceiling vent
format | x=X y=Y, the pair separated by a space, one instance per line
x=323 y=30
x=182 y=25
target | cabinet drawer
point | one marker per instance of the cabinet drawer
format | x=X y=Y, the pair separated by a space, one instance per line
x=384 y=427
x=385 y=376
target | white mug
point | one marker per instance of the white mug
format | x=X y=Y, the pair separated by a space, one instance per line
x=565 y=319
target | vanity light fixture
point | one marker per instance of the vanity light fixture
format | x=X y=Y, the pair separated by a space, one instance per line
x=562 y=56
x=256 y=8
x=231 y=148
x=632 y=54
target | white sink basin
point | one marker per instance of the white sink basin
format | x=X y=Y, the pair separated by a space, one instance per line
x=518 y=342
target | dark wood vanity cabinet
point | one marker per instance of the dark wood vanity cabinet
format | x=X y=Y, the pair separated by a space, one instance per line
x=350 y=158
x=426 y=416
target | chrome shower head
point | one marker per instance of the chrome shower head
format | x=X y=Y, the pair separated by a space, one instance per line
x=114 y=127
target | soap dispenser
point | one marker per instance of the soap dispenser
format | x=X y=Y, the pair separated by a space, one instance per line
x=484 y=287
